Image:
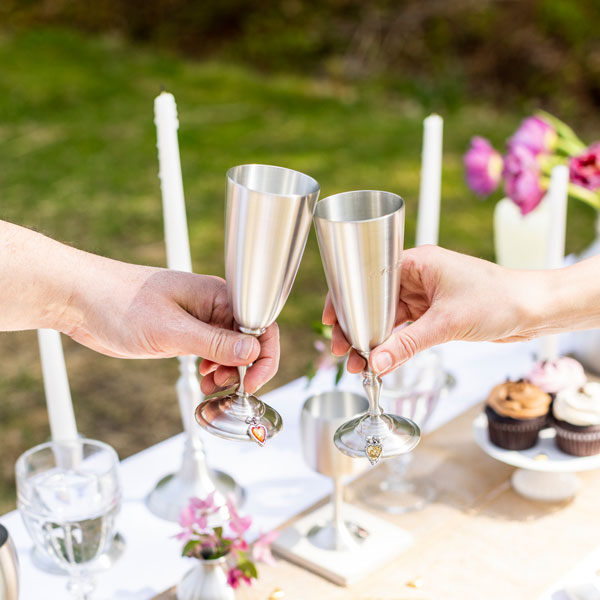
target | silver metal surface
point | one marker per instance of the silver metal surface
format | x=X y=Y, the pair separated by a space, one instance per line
x=360 y=236
x=9 y=567
x=269 y=214
x=268 y=218
x=321 y=415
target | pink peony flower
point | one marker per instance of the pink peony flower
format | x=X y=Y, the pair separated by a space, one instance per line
x=535 y=134
x=261 y=551
x=522 y=178
x=483 y=166
x=238 y=524
x=235 y=576
x=585 y=168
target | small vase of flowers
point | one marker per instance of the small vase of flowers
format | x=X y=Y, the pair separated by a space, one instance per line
x=224 y=560
x=521 y=218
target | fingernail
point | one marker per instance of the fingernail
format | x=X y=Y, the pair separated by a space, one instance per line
x=243 y=348
x=382 y=362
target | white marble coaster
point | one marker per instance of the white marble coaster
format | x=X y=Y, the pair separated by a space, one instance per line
x=384 y=542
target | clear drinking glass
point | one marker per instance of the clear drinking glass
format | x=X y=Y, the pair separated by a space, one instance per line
x=412 y=391
x=68 y=495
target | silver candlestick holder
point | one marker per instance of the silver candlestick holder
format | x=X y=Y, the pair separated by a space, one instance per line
x=172 y=493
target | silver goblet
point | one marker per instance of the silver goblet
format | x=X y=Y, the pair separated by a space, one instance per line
x=360 y=237
x=269 y=213
x=9 y=567
x=321 y=416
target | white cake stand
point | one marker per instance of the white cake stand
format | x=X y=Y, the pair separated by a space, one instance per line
x=544 y=472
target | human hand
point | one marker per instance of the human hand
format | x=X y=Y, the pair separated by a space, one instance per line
x=132 y=311
x=449 y=296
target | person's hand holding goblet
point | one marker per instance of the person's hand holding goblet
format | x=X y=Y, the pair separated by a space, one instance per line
x=360 y=237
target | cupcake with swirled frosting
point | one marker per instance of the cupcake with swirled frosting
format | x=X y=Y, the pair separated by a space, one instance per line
x=553 y=376
x=576 y=418
x=516 y=412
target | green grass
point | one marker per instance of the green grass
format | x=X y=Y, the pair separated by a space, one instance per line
x=79 y=162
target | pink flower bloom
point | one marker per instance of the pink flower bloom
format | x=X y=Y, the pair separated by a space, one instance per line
x=238 y=524
x=262 y=548
x=207 y=505
x=522 y=178
x=585 y=168
x=235 y=576
x=535 y=134
x=483 y=166
x=239 y=545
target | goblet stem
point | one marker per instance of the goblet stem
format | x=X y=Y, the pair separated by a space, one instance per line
x=338 y=501
x=242 y=373
x=372 y=386
x=80 y=586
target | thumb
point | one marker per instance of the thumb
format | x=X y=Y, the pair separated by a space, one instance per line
x=221 y=346
x=405 y=342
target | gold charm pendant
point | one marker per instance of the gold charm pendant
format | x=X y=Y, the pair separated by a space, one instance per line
x=373 y=449
x=256 y=431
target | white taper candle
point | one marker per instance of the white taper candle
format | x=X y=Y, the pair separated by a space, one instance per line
x=171 y=183
x=56 y=386
x=557 y=198
x=428 y=220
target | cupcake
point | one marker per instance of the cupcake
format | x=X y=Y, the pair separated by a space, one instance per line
x=576 y=418
x=516 y=412
x=556 y=375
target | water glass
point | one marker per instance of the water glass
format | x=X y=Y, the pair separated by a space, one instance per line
x=68 y=494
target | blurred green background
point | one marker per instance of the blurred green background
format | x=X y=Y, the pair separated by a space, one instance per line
x=335 y=88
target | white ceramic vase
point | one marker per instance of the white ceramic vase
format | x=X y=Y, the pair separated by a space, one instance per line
x=587 y=343
x=206 y=581
x=521 y=242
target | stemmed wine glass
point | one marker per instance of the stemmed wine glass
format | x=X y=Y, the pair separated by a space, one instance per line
x=68 y=494
x=360 y=237
x=268 y=219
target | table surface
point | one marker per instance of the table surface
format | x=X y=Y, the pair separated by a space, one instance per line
x=278 y=484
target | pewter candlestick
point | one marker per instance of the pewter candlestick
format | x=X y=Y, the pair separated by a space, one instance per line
x=194 y=478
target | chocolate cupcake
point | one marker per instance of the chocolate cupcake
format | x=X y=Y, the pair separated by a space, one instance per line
x=516 y=412
x=576 y=418
x=556 y=375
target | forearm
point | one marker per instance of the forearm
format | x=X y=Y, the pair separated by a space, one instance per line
x=572 y=297
x=36 y=278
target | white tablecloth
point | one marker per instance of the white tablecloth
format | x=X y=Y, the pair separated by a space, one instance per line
x=277 y=482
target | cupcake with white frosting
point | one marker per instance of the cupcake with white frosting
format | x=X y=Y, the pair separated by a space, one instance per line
x=576 y=418
x=554 y=376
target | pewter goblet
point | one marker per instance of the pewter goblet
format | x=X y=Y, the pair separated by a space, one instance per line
x=269 y=212
x=9 y=567
x=360 y=237
x=321 y=416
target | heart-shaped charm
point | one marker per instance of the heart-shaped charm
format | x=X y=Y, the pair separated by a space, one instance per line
x=257 y=432
x=373 y=449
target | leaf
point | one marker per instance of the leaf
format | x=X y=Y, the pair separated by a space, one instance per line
x=248 y=568
x=218 y=532
x=189 y=547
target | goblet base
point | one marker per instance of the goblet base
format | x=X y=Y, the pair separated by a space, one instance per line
x=378 y=437
x=239 y=418
x=399 y=497
x=329 y=537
